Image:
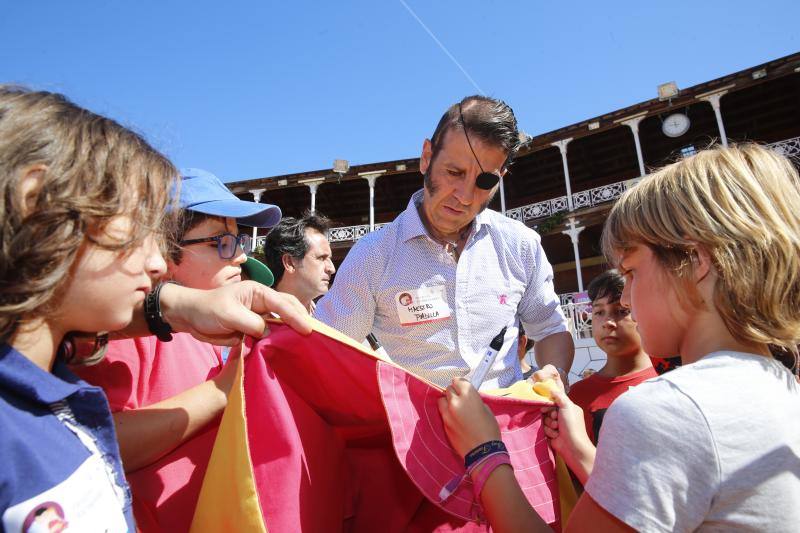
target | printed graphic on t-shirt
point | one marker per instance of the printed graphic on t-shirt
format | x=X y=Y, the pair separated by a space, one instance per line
x=85 y=501
x=426 y=304
x=665 y=364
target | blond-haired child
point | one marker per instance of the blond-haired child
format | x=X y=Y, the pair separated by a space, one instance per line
x=710 y=247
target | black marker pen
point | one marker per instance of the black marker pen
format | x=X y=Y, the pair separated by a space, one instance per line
x=488 y=359
x=376 y=346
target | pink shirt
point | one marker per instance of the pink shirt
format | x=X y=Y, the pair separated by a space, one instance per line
x=140 y=372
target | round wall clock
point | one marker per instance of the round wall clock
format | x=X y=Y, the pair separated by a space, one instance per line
x=675 y=125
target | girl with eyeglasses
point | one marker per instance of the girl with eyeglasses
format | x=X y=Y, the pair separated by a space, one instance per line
x=166 y=394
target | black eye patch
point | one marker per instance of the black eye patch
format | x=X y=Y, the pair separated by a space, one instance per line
x=486 y=180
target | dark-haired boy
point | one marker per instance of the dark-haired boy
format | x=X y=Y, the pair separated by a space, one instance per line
x=615 y=333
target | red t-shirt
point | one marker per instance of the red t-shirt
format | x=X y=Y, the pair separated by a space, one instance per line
x=596 y=393
x=140 y=372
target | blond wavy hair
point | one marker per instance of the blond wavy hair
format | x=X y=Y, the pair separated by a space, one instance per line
x=95 y=169
x=741 y=204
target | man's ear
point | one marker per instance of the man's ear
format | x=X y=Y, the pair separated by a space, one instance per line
x=425 y=158
x=288 y=263
x=30 y=185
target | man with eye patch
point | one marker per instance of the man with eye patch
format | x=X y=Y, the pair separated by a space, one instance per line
x=439 y=282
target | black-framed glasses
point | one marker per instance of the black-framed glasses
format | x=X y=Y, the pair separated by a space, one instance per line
x=227 y=243
x=485 y=180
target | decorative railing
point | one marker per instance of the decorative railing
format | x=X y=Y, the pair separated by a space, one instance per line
x=589 y=198
x=573 y=297
x=579 y=319
x=350 y=233
x=342 y=234
x=539 y=209
x=578 y=310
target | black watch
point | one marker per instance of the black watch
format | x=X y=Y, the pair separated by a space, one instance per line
x=153 y=316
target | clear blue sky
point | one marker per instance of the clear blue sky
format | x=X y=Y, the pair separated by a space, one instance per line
x=259 y=88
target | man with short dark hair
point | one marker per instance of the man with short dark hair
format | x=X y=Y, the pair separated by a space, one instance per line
x=299 y=255
x=440 y=282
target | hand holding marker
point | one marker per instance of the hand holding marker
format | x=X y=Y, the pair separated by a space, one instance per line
x=488 y=359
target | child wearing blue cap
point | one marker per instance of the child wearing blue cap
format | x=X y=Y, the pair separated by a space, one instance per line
x=163 y=394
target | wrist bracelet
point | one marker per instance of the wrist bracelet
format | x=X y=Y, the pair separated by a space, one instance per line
x=152 y=314
x=450 y=487
x=483 y=450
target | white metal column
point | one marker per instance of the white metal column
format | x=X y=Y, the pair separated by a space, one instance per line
x=633 y=123
x=313 y=185
x=562 y=147
x=257 y=199
x=713 y=98
x=573 y=232
x=371 y=178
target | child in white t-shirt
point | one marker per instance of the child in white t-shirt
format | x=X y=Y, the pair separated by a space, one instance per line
x=710 y=248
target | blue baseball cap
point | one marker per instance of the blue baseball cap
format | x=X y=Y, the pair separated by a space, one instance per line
x=203 y=192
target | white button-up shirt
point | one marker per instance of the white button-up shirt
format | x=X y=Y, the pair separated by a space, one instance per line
x=501 y=278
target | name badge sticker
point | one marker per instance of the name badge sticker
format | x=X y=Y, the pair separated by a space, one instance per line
x=85 y=501
x=426 y=304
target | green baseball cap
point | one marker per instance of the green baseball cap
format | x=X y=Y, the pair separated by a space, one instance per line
x=258 y=271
